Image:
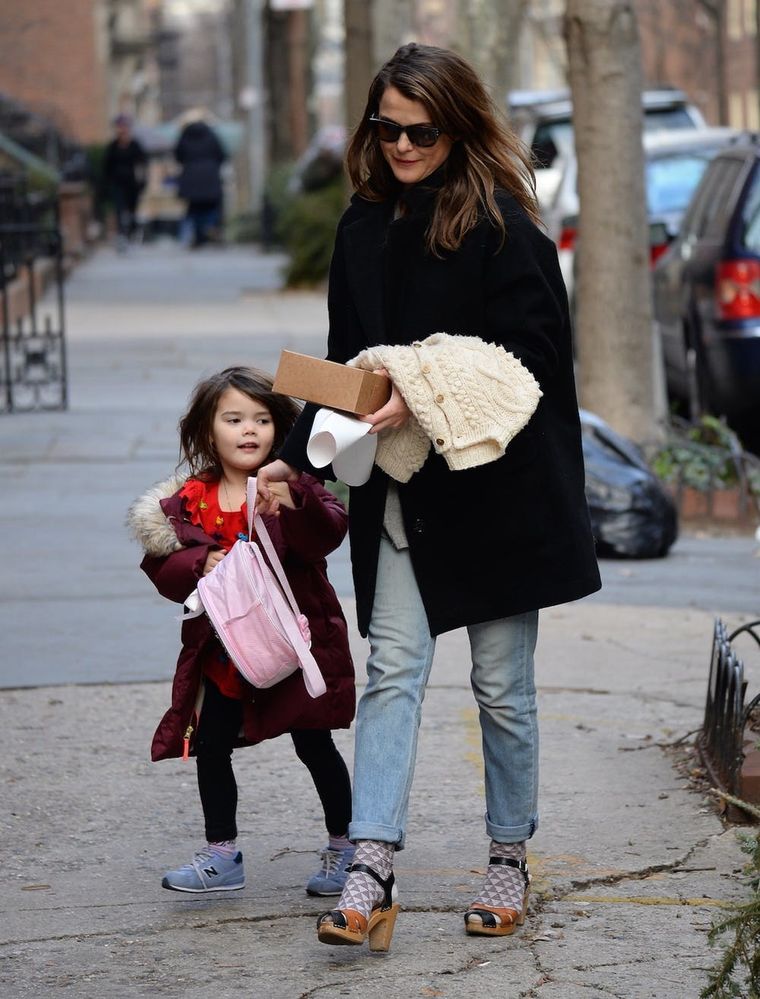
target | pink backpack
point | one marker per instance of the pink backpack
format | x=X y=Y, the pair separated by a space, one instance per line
x=254 y=613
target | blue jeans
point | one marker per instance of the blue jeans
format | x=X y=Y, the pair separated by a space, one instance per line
x=388 y=715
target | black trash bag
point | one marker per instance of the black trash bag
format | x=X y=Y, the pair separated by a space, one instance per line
x=632 y=514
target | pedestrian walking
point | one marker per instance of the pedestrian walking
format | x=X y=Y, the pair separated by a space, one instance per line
x=441 y=277
x=201 y=155
x=125 y=167
x=234 y=425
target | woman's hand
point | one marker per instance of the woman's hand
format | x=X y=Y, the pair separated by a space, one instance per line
x=213 y=559
x=281 y=492
x=393 y=415
x=272 y=486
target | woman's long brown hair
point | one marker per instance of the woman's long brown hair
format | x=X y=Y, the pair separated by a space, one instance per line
x=485 y=155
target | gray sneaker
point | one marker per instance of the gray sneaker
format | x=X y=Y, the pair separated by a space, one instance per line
x=208 y=871
x=330 y=879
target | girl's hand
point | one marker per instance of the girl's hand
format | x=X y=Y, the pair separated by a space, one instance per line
x=272 y=486
x=213 y=559
x=393 y=415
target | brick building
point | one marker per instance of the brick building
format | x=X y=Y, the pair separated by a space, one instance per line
x=683 y=44
x=79 y=62
x=53 y=60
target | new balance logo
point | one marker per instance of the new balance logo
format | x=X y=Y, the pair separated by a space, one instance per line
x=211 y=872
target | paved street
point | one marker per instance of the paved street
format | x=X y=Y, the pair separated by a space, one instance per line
x=630 y=863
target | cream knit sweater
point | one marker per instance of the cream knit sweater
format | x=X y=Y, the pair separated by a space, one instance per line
x=467 y=397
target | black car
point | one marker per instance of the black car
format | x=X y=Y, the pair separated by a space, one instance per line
x=707 y=292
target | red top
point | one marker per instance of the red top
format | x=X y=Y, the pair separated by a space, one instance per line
x=226 y=527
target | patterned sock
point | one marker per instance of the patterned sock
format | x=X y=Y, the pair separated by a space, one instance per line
x=362 y=892
x=225 y=848
x=504 y=887
x=339 y=843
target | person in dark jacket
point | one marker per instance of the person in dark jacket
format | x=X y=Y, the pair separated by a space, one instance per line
x=439 y=254
x=124 y=177
x=201 y=155
x=235 y=422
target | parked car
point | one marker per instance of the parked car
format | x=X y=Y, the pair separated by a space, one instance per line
x=674 y=162
x=632 y=513
x=707 y=292
x=543 y=120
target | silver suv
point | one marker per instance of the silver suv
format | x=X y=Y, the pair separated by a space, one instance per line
x=544 y=121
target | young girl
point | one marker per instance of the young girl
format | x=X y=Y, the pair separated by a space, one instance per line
x=234 y=425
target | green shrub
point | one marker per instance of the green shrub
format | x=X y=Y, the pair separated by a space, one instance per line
x=737 y=975
x=306 y=226
x=339 y=489
x=706 y=455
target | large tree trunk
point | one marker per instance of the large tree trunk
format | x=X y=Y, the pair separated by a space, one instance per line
x=488 y=35
x=360 y=61
x=617 y=354
x=393 y=25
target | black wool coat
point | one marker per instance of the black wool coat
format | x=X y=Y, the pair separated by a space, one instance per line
x=201 y=155
x=509 y=536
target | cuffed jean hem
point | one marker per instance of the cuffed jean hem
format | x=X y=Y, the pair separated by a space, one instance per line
x=376 y=831
x=511 y=834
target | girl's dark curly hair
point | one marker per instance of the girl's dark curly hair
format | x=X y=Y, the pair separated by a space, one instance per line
x=196 y=448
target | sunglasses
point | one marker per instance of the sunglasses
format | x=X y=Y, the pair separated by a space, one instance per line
x=423 y=136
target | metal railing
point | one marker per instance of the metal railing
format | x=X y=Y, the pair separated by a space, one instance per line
x=33 y=355
x=721 y=739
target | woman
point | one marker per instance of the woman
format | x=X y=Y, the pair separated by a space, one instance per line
x=125 y=166
x=201 y=155
x=441 y=235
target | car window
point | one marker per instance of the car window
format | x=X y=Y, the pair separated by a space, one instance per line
x=720 y=203
x=717 y=182
x=750 y=231
x=671 y=180
x=549 y=138
x=656 y=119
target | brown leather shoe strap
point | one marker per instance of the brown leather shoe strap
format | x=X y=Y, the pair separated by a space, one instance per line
x=519 y=865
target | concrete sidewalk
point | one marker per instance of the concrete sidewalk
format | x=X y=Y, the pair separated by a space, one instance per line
x=630 y=865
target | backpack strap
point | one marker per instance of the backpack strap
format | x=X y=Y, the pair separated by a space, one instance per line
x=313 y=678
x=254 y=520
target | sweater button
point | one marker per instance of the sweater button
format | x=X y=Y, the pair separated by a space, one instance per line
x=417 y=344
x=440 y=440
x=426 y=369
x=439 y=398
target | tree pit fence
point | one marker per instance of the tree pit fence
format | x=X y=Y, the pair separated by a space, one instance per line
x=729 y=740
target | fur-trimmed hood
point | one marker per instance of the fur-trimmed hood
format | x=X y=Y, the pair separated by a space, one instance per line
x=148 y=523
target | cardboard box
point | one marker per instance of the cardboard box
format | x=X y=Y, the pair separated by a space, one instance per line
x=329 y=384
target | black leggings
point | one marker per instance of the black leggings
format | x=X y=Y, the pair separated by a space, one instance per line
x=221 y=718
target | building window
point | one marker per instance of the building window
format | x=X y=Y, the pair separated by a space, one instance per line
x=734 y=19
x=736 y=109
x=752 y=111
x=750 y=18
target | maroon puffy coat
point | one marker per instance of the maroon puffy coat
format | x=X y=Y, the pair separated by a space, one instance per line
x=175 y=553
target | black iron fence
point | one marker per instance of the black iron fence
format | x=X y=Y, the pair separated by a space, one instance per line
x=33 y=356
x=727 y=718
